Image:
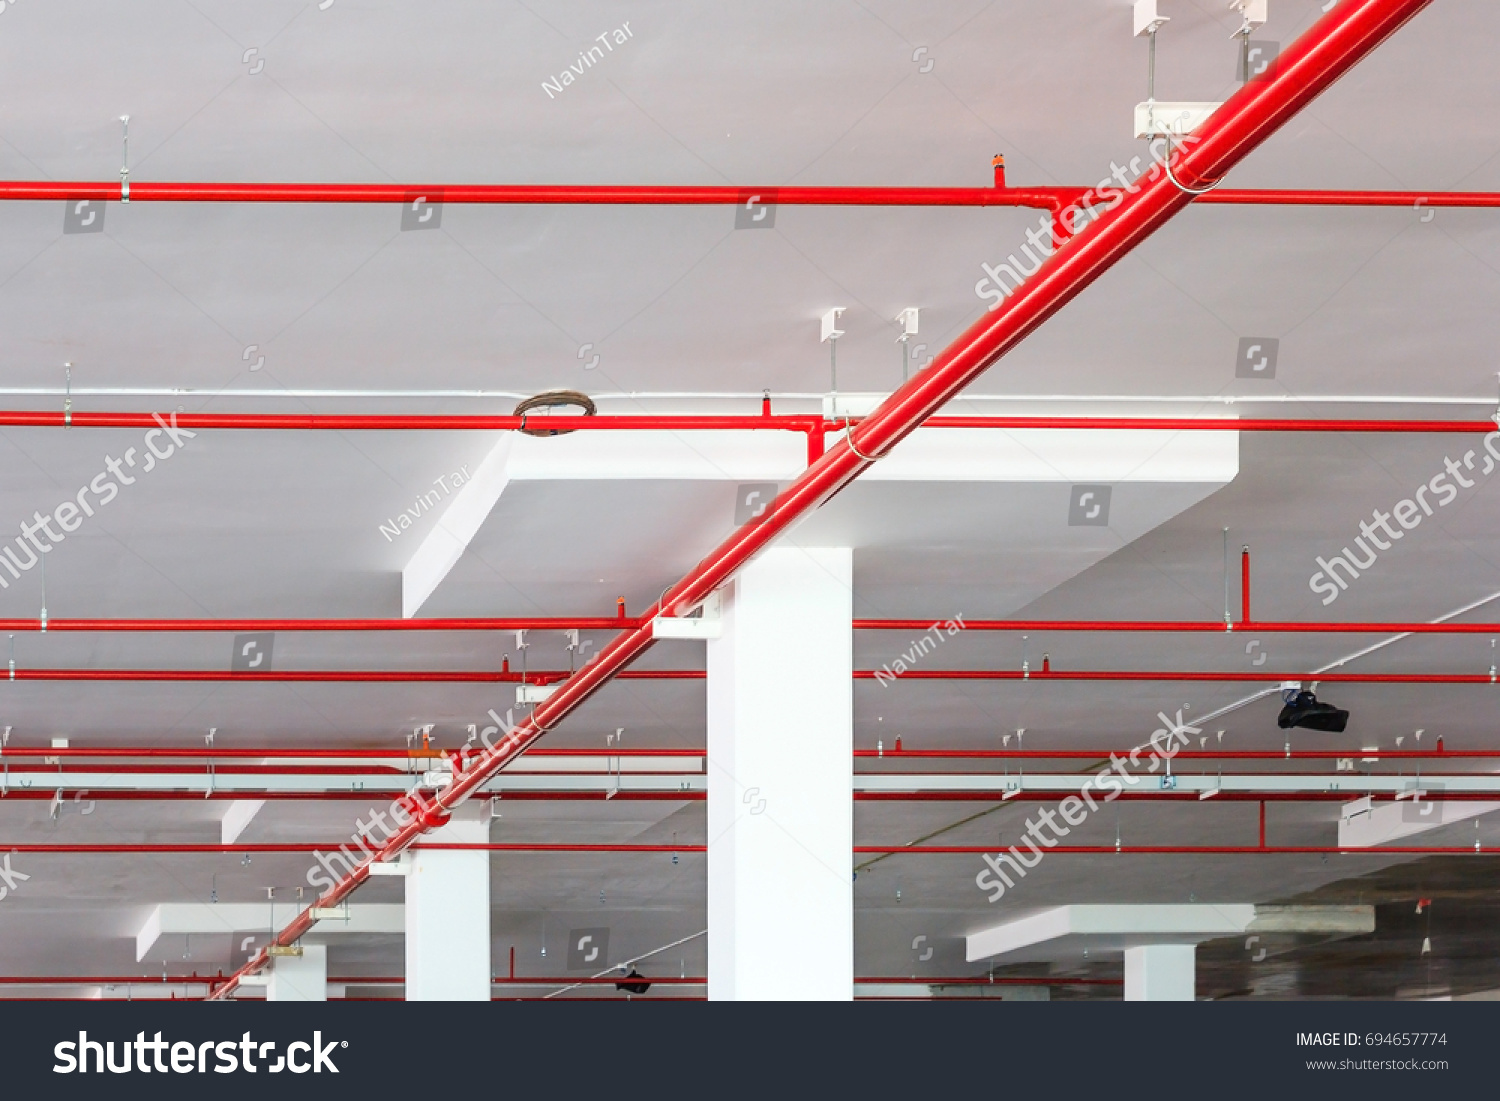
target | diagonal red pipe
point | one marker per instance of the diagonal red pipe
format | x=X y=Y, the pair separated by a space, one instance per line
x=1329 y=49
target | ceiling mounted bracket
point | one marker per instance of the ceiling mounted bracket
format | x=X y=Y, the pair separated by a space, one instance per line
x=124 y=158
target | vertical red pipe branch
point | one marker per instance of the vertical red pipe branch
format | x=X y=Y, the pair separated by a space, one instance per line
x=1245 y=586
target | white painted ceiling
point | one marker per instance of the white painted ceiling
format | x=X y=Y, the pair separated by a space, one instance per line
x=1367 y=304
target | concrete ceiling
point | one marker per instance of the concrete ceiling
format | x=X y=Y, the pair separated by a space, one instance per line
x=1367 y=304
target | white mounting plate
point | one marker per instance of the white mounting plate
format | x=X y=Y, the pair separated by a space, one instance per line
x=665 y=626
x=1147 y=21
x=534 y=693
x=1155 y=118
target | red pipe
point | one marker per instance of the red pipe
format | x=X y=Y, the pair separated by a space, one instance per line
x=814 y=426
x=560 y=678
x=1046 y=198
x=333 y=846
x=1204 y=755
x=596 y=623
x=542 y=678
x=1209 y=626
x=1180 y=675
x=1185 y=850
x=1334 y=44
x=966 y=754
x=862 y=850
x=504 y=623
x=1245 y=587
x=294 y=752
x=996 y=796
x=357 y=796
x=668 y=980
x=1244 y=197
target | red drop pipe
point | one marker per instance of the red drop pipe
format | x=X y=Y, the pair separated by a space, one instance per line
x=1245 y=587
x=1334 y=44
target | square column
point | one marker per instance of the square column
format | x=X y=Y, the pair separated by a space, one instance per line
x=1161 y=973
x=301 y=978
x=781 y=781
x=448 y=914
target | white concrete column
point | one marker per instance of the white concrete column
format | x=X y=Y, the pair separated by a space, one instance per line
x=448 y=914
x=780 y=781
x=1161 y=973
x=301 y=978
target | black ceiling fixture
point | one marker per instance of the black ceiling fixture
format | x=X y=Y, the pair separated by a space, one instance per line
x=640 y=986
x=1303 y=709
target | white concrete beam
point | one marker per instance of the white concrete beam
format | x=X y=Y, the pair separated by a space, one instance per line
x=1364 y=824
x=206 y=918
x=236 y=818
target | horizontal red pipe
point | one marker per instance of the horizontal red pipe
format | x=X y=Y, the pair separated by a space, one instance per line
x=562 y=796
x=285 y=753
x=861 y=850
x=608 y=623
x=657 y=195
x=1182 y=755
x=501 y=980
x=333 y=846
x=535 y=194
x=548 y=677
x=292 y=752
x=540 y=677
x=1248 y=197
x=74 y=795
x=1187 y=850
x=1180 y=675
x=807 y=423
x=1171 y=625
x=499 y=623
